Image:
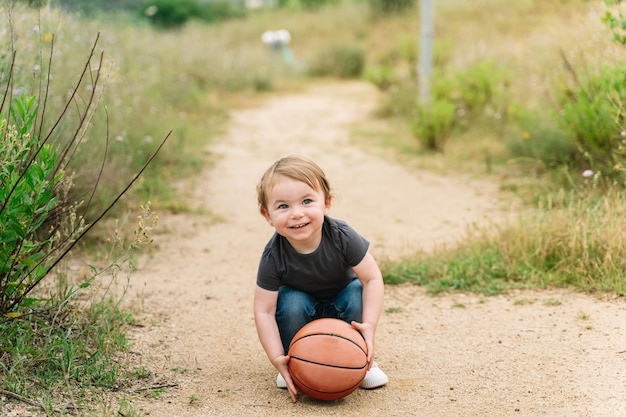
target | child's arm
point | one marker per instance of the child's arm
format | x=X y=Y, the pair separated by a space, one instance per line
x=373 y=293
x=267 y=329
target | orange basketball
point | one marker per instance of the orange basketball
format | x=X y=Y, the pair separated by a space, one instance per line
x=328 y=359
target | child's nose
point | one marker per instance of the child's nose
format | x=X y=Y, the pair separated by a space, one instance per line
x=296 y=213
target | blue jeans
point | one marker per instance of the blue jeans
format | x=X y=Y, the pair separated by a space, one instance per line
x=296 y=308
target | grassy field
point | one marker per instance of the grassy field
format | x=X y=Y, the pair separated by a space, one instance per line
x=505 y=67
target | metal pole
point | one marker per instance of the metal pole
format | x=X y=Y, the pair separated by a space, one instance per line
x=425 y=65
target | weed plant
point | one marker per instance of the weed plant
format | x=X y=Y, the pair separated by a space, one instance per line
x=342 y=61
x=575 y=245
x=55 y=339
x=153 y=86
x=537 y=109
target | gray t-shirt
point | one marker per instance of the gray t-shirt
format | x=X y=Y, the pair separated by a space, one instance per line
x=322 y=273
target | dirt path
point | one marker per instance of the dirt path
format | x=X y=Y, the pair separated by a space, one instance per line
x=552 y=353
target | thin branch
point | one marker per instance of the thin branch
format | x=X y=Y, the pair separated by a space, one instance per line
x=88 y=228
x=153 y=387
x=104 y=158
x=81 y=123
x=47 y=90
x=9 y=83
x=81 y=131
x=75 y=90
x=7 y=93
x=23 y=399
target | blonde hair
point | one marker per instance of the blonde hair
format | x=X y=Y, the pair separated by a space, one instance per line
x=294 y=167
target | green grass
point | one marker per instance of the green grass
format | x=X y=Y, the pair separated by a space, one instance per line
x=70 y=350
x=576 y=243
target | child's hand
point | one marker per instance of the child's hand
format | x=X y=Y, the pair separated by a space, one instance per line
x=280 y=363
x=368 y=334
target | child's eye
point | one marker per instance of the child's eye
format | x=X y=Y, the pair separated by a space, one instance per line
x=307 y=201
x=283 y=206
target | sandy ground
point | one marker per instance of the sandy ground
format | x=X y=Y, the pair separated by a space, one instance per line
x=547 y=353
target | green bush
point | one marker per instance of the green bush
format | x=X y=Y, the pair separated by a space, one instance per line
x=217 y=11
x=35 y=3
x=390 y=6
x=458 y=100
x=542 y=140
x=36 y=221
x=343 y=61
x=584 y=130
x=305 y=4
x=91 y=7
x=39 y=221
x=616 y=21
x=476 y=91
x=57 y=335
x=434 y=122
x=593 y=114
x=379 y=75
x=169 y=14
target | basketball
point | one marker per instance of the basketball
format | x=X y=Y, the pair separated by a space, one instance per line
x=328 y=359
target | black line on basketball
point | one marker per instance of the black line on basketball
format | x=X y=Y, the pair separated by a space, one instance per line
x=329 y=334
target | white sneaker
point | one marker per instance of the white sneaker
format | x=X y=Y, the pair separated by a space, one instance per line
x=374 y=378
x=280 y=382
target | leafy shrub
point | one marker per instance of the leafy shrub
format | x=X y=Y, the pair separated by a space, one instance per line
x=475 y=90
x=434 y=123
x=390 y=6
x=305 y=4
x=90 y=7
x=33 y=206
x=35 y=3
x=400 y=101
x=457 y=100
x=541 y=139
x=592 y=114
x=476 y=86
x=217 y=11
x=344 y=61
x=170 y=14
x=38 y=223
x=380 y=75
x=616 y=21
x=586 y=130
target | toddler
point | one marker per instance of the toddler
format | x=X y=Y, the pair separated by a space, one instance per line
x=314 y=266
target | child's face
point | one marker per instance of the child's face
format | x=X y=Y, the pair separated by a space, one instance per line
x=297 y=212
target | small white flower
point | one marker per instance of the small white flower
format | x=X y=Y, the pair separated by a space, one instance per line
x=36 y=68
x=587 y=173
x=36 y=28
x=623 y=133
x=119 y=138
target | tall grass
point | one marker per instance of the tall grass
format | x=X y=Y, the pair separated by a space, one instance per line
x=154 y=85
x=577 y=245
x=573 y=241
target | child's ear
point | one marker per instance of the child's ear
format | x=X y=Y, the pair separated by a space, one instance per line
x=265 y=214
x=327 y=205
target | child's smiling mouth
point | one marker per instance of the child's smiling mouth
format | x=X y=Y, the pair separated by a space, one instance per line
x=299 y=226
